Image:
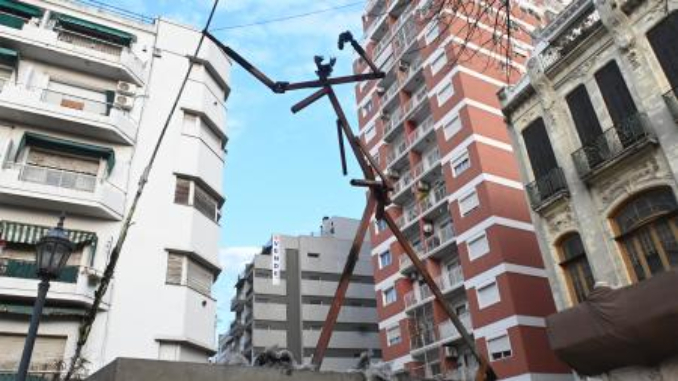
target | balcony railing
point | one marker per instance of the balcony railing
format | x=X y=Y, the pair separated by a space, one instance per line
x=612 y=144
x=428 y=333
x=451 y=279
x=436 y=196
x=13 y=268
x=76 y=102
x=85 y=41
x=429 y=161
x=671 y=100
x=55 y=177
x=546 y=188
x=399 y=149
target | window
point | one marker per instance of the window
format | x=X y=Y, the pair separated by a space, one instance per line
x=380 y=226
x=184 y=271
x=461 y=164
x=60 y=170
x=468 y=203
x=5 y=75
x=439 y=62
x=367 y=108
x=488 y=295
x=478 y=246
x=189 y=192
x=575 y=265
x=390 y=295
x=584 y=115
x=620 y=104
x=648 y=232
x=445 y=93
x=49 y=350
x=451 y=127
x=385 y=259
x=370 y=132
x=499 y=347
x=662 y=39
x=538 y=147
x=313 y=255
x=432 y=32
x=195 y=126
x=393 y=336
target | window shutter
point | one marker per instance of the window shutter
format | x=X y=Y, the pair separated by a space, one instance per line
x=584 y=116
x=182 y=191
x=199 y=278
x=662 y=39
x=47 y=352
x=616 y=94
x=175 y=268
x=205 y=203
x=539 y=149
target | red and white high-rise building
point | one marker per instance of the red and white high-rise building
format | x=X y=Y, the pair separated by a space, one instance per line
x=435 y=124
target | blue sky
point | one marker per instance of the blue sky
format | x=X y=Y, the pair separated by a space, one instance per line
x=283 y=172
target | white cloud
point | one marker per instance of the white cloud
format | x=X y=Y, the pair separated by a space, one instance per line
x=237 y=257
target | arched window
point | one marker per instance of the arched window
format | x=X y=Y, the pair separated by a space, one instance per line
x=648 y=232
x=576 y=266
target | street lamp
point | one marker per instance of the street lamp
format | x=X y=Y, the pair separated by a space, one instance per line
x=52 y=253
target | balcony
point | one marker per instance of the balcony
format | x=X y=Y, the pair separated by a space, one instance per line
x=613 y=146
x=59 y=190
x=397 y=154
x=671 y=100
x=66 y=113
x=76 y=284
x=391 y=124
x=433 y=245
x=67 y=49
x=547 y=189
x=433 y=335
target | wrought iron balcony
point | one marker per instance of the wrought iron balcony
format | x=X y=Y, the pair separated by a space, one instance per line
x=547 y=188
x=671 y=100
x=612 y=145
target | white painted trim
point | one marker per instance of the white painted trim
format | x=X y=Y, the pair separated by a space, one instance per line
x=388 y=282
x=490 y=221
x=497 y=327
x=386 y=245
x=491 y=274
x=399 y=363
x=473 y=184
x=475 y=138
x=392 y=320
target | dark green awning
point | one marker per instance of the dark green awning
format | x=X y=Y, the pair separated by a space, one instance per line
x=101 y=31
x=68 y=146
x=21 y=9
x=17 y=232
x=8 y=57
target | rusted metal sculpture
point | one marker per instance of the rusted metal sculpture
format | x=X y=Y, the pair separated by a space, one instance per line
x=376 y=181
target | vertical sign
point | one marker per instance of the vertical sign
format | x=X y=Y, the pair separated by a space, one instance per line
x=276 y=252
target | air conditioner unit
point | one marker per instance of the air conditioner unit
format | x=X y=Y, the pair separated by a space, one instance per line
x=428 y=228
x=423 y=186
x=392 y=174
x=403 y=65
x=124 y=102
x=450 y=352
x=384 y=115
x=126 y=88
x=381 y=90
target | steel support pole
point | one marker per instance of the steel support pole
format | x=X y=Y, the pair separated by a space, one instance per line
x=43 y=287
x=351 y=260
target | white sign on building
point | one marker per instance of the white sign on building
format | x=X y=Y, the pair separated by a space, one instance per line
x=276 y=253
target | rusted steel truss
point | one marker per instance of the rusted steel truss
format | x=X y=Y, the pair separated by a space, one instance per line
x=378 y=184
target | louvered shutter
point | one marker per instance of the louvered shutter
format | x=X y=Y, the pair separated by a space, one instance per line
x=46 y=353
x=663 y=41
x=616 y=94
x=182 y=191
x=584 y=116
x=539 y=150
x=199 y=278
x=175 y=267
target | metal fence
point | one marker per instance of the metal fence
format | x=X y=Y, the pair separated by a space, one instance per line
x=545 y=187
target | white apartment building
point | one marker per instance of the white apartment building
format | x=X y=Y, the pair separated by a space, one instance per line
x=85 y=93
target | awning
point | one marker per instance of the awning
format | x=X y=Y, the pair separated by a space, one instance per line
x=17 y=232
x=19 y=8
x=8 y=57
x=68 y=146
x=101 y=31
x=18 y=309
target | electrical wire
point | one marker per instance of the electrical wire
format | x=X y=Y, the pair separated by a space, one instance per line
x=286 y=18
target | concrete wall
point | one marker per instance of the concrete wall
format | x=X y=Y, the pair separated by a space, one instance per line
x=144 y=370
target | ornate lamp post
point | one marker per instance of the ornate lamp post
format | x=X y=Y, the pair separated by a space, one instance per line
x=52 y=253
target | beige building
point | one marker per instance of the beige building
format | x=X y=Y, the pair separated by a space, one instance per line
x=594 y=127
